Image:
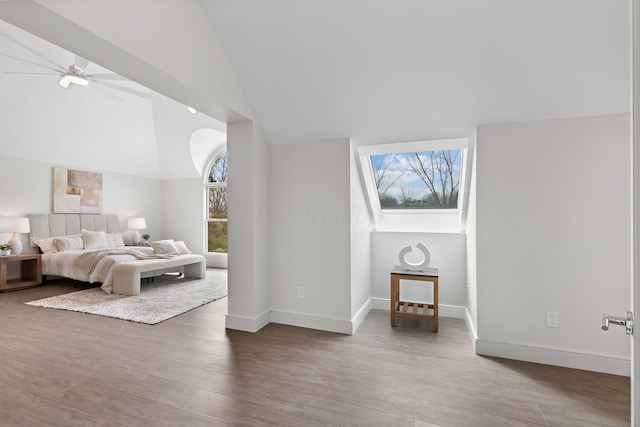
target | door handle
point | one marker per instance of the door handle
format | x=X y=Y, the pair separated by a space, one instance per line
x=626 y=321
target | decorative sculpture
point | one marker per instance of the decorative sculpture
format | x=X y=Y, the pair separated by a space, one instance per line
x=415 y=266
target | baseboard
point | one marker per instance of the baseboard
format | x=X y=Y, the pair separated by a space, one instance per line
x=348 y=327
x=299 y=319
x=312 y=322
x=360 y=315
x=444 y=310
x=247 y=324
x=470 y=325
x=557 y=357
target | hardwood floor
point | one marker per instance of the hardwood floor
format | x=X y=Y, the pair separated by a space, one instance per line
x=63 y=368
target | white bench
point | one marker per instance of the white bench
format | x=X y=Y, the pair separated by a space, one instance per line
x=126 y=276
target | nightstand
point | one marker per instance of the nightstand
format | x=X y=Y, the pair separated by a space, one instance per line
x=30 y=271
x=414 y=310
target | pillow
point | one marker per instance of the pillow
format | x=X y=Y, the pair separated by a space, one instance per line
x=94 y=239
x=69 y=243
x=114 y=240
x=46 y=244
x=182 y=248
x=164 y=247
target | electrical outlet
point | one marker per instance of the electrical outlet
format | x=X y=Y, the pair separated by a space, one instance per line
x=553 y=319
x=300 y=291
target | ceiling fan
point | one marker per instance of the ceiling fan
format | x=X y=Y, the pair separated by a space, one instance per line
x=74 y=74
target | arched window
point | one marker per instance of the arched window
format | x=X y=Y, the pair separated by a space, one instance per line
x=216 y=193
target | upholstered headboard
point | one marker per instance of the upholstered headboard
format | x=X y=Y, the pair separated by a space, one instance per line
x=52 y=225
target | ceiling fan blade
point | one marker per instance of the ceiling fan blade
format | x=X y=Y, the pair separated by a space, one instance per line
x=24 y=46
x=57 y=70
x=108 y=94
x=20 y=72
x=123 y=89
x=109 y=77
x=81 y=63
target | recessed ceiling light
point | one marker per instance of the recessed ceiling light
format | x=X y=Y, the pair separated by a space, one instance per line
x=191 y=110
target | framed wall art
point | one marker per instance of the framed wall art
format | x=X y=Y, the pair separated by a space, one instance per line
x=77 y=191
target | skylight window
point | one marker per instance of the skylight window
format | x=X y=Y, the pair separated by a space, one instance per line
x=416 y=186
x=417 y=180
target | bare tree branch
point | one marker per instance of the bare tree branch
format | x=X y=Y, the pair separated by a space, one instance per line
x=218 y=195
x=426 y=173
x=380 y=172
x=437 y=173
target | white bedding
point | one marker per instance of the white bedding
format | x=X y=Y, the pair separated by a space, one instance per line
x=63 y=264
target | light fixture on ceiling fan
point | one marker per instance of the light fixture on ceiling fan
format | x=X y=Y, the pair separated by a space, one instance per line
x=75 y=73
x=75 y=76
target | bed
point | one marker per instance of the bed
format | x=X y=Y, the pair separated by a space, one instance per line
x=90 y=248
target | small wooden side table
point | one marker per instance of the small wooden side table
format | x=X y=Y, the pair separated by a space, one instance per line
x=414 y=310
x=30 y=269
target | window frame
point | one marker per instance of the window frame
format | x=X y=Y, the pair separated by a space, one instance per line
x=207 y=186
x=366 y=151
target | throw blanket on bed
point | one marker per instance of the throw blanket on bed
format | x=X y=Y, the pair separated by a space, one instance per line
x=88 y=261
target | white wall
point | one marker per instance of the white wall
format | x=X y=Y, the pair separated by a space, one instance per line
x=174 y=128
x=447 y=254
x=553 y=234
x=360 y=247
x=435 y=222
x=471 y=231
x=183 y=212
x=310 y=234
x=133 y=196
x=249 y=193
x=124 y=195
x=260 y=200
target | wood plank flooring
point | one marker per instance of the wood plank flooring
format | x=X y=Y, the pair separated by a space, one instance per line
x=61 y=368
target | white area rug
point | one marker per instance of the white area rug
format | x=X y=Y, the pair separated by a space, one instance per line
x=157 y=301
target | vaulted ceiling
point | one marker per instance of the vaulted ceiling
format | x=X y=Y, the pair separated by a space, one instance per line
x=373 y=70
x=380 y=70
x=94 y=127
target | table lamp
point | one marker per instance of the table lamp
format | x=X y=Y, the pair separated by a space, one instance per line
x=14 y=226
x=136 y=224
